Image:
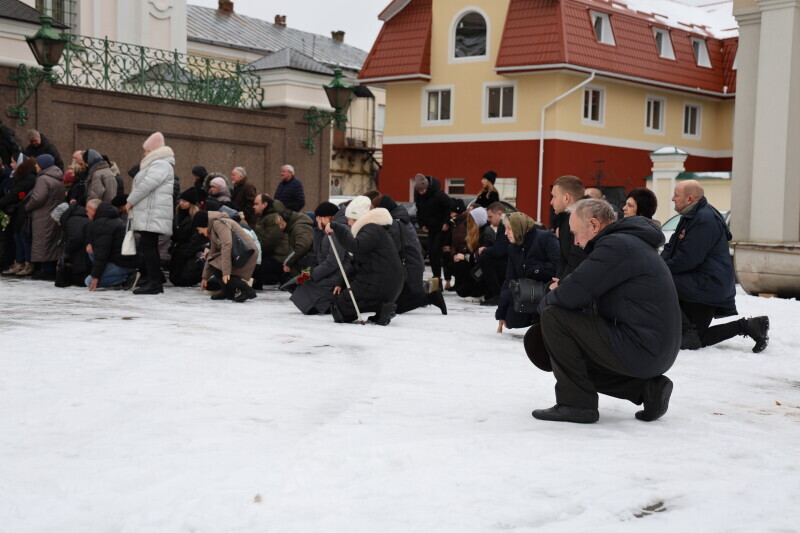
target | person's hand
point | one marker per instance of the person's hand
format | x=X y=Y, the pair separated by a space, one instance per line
x=444 y=226
x=287 y=268
x=128 y=207
x=73 y=201
x=328 y=228
x=93 y=284
x=425 y=229
x=553 y=286
x=337 y=290
x=89 y=249
x=226 y=279
x=205 y=252
x=203 y=284
x=459 y=257
x=481 y=249
x=500 y=326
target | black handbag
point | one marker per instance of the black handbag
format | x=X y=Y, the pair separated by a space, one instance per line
x=527 y=293
x=241 y=251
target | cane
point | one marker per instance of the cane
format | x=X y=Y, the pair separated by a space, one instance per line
x=346 y=281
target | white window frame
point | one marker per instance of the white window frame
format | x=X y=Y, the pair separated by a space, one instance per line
x=485 y=119
x=424 y=106
x=663 y=113
x=701 y=56
x=699 y=133
x=667 y=51
x=606 y=32
x=588 y=121
x=451 y=53
x=503 y=184
x=448 y=184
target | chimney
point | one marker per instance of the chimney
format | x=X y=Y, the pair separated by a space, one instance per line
x=226 y=6
x=338 y=36
x=280 y=20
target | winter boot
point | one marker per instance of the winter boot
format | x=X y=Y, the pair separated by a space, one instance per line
x=757 y=328
x=565 y=413
x=131 y=281
x=385 y=314
x=227 y=292
x=337 y=315
x=437 y=299
x=243 y=291
x=26 y=270
x=690 y=340
x=11 y=270
x=150 y=287
x=655 y=398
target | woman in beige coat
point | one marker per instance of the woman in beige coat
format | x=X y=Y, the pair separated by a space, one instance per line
x=218 y=228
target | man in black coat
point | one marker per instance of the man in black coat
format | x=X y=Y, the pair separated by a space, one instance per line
x=290 y=190
x=698 y=257
x=494 y=259
x=433 y=216
x=567 y=190
x=110 y=268
x=613 y=325
x=39 y=145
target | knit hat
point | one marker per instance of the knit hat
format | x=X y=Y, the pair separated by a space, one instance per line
x=190 y=195
x=154 y=142
x=420 y=182
x=359 y=206
x=59 y=210
x=490 y=176
x=219 y=183
x=479 y=215
x=45 y=161
x=326 y=209
x=200 y=220
x=119 y=200
x=200 y=171
x=457 y=205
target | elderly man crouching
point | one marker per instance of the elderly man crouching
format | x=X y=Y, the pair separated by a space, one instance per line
x=614 y=324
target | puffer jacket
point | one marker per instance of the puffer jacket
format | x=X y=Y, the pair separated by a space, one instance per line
x=101 y=182
x=220 y=236
x=267 y=229
x=299 y=237
x=106 y=235
x=151 y=194
x=44 y=197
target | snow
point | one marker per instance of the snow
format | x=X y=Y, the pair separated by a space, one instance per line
x=172 y=413
x=713 y=16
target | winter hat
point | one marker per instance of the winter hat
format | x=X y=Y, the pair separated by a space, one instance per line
x=200 y=220
x=190 y=195
x=520 y=225
x=200 y=171
x=359 y=207
x=420 y=182
x=220 y=184
x=457 y=205
x=45 y=161
x=490 y=176
x=326 y=209
x=479 y=215
x=119 y=200
x=90 y=157
x=59 y=210
x=154 y=142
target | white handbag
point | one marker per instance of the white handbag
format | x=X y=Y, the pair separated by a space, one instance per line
x=129 y=242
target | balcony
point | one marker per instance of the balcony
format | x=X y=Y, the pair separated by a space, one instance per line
x=358 y=139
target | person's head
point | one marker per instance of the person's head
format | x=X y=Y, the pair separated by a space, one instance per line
x=287 y=172
x=120 y=201
x=218 y=186
x=91 y=207
x=519 y=224
x=77 y=158
x=200 y=222
x=283 y=219
x=588 y=218
x=44 y=161
x=357 y=208
x=324 y=213
x=238 y=174
x=457 y=207
x=475 y=221
x=593 y=192
x=261 y=203
x=187 y=199
x=488 y=179
x=566 y=191
x=687 y=193
x=375 y=196
x=421 y=183
x=199 y=172
x=641 y=202
x=34 y=137
x=495 y=213
x=154 y=142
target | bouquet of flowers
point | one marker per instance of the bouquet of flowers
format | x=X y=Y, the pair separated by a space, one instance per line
x=4 y=219
x=292 y=284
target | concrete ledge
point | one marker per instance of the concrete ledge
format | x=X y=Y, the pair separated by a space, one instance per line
x=772 y=268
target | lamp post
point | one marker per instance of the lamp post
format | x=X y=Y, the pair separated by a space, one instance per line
x=339 y=95
x=47 y=45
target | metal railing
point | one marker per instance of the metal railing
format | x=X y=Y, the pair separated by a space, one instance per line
x=359 y=138
x=129 y=68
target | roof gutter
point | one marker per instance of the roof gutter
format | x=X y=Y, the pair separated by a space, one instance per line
x=541 y=142
x=395 y=78
x=521 y=69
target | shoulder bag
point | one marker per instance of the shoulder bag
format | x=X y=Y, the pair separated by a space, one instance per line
x=241 y=251
x=527 y=293
x=129 y=242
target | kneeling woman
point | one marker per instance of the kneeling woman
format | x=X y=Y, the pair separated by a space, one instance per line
x=219 y=229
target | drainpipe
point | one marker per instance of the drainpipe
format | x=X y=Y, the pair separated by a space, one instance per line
x=541 y=142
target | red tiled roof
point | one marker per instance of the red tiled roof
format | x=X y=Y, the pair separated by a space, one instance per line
x=403 y=47
x=532 y=33
x=729 y=49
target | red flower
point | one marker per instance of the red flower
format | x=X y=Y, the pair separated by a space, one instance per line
x=302 y=278
x=22 y=196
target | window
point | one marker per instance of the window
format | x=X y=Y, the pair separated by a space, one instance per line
x=663 y=43
x=499 y=102
x=381 y=117
x=455 y=186
x=65 y=11
x=593 y=106
x=691 y=121
x=438 y=105
x=507 y=189
x=602 y=27
x=700 y=52
x=654 y=115
x=470 y=39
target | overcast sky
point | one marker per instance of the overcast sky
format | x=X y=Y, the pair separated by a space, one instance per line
x=357 y=18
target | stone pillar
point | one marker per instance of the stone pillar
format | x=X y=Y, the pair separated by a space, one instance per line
x=668 y=162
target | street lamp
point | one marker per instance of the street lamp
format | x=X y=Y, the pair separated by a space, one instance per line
x=339 y=95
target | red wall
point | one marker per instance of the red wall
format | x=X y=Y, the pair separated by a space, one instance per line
x=624 y=167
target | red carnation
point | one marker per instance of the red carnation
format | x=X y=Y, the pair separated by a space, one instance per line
x=22 y=196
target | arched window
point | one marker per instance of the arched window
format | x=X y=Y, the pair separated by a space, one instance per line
x=470 y=37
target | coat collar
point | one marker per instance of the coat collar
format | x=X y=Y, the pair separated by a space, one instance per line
x=379 y=216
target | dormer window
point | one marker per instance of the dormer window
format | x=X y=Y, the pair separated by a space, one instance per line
x=470 y=36
x=663 y=43
x=602 y=27
x=701 y=52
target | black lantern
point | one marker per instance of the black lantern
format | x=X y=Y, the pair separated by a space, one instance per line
x=47 y=45
x=339 y=93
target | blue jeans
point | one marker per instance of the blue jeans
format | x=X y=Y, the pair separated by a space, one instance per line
x=112 y=276
x=22 y=243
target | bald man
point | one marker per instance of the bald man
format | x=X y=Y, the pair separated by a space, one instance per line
x=698 y=257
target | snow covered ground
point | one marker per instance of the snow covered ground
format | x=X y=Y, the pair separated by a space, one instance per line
x=172 y=413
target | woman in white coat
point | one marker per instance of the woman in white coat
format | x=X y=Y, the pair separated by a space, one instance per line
x=150 y=208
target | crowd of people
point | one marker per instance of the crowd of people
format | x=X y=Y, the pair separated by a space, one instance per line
x=618 y=305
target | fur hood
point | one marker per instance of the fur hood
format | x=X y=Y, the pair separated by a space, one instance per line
x=165 y=152
x=379 y=216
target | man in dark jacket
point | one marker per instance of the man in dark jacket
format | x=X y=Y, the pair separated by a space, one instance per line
x=244 y=194
x=433 y=216
x=698 y=257
x=613 y=325
x=290 y=190
x=567 y=190
x=110 y=268
x=75 y=223
x=39 y=145
x=494 y=259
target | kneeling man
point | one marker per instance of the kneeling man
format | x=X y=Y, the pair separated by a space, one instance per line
x=614 y=324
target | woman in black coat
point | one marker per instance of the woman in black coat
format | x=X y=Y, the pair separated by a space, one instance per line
x=532 y=254
x=488 y=194
x=22 y=181
x=185 y=265
x=75 y=224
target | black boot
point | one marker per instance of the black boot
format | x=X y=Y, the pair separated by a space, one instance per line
x=225 y=294
x=385 y=314
x=436 y=298
x=336 y=313
x=757 y=328
x=243 y=291
x=690 y=340
x=655 y=398
x=150 y=287
x=565 y=413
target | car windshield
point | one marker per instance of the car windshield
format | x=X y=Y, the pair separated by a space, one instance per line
x=671 y=224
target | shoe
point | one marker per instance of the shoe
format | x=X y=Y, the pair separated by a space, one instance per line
x=227 y=293
x=565 y=413
x=491 y=302
x=385 y=315
x=655 y=398
x=151 y=287
x=690 y=340
x=26 y=270
x=11 y=270
x=757 y=328
x=243 y=296
x=448 y=286
x=433 y=285
x=337 y=315
x=437 y=299
x=131 y=281
x=242 y=290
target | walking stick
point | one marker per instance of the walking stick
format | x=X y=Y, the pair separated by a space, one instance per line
x=346 y=281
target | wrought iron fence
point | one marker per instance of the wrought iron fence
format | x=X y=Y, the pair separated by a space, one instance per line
x=129 y=68
x=359 y=138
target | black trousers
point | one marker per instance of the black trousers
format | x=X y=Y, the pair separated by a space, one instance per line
x=494 y=274
x=270 y=271
x=583 y=360
x=699 y=316
x=435 y=243
x=150 y=256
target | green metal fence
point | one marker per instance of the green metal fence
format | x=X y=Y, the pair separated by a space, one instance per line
x=129 y=68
